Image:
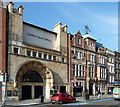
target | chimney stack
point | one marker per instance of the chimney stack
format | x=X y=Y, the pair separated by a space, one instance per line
x=65 y=27
x=20 y=10
x=10 y=6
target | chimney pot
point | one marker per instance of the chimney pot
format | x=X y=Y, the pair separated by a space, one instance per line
x=20 y=10
x=10 y=6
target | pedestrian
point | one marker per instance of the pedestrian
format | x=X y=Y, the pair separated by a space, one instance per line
x=99 y=94
x=42 y=99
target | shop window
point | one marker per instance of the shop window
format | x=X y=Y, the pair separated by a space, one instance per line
x=34 y=54
x=9 y=93
x=45 y=56
x=16 y=50
x=28 y=53
x=15 y=93
x=40 y=55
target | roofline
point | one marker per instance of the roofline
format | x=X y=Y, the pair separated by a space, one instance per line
x=39 y=27
x=89 y=38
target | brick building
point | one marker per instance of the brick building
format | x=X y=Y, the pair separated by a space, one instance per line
x=2 y=48
x=87 y=63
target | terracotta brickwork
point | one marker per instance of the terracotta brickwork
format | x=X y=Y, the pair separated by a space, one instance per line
x=3 y=40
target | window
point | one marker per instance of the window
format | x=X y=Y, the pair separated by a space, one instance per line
x=80 y=70
x=76 y=70
x=28 y=53
x=55 y=95
x=91 y=58
x=83 y=71
x=80 y=56
x=113 y=79
x=101 y=60
x=77 y=55
x=67 y=95
x=79 y=41
x=91 y=44
x=34 y=54
x=89 y=71
x=73 y=69
x=16 y=50
x=112 y=69
x=63 y=59
x=92 y=71
x=109 y=59
x=63 y=95
x=50 y=57
x=54 y=58
x=40 y=55
x=45 y=56
x=112 y=60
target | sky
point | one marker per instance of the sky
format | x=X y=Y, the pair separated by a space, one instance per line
x=101 y=17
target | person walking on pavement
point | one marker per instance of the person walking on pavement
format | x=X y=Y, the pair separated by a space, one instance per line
x=99 y=94
x=42 y=99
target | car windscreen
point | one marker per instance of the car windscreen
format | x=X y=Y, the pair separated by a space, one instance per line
x=55 y=95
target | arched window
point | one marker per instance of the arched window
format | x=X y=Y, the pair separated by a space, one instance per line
x=32 y=76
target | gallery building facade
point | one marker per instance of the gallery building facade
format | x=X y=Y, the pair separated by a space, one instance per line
x=43 y=62
x=37 y=58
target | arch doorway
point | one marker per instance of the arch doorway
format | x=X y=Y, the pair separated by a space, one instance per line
x=31 y=77
x=34 y=79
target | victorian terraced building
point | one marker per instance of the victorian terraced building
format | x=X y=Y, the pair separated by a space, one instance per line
x=44 y=62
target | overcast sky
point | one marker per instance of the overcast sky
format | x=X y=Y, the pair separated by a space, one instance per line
x=101 y=17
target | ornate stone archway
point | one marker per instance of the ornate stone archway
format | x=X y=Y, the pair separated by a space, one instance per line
x=42 y=69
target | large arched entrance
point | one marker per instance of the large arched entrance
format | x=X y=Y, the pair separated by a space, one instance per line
x=33 y=79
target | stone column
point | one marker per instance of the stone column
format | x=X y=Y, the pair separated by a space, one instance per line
x=32 y=92
x=94 y=89
x=47 y=89
x=19 y=91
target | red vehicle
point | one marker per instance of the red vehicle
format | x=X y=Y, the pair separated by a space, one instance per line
x=62 y=98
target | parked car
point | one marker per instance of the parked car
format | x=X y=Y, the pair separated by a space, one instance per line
x=62 y=98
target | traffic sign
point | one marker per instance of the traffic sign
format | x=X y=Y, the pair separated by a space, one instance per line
x=74 y=81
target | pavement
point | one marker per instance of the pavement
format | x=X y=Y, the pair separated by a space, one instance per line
x=47 y=101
